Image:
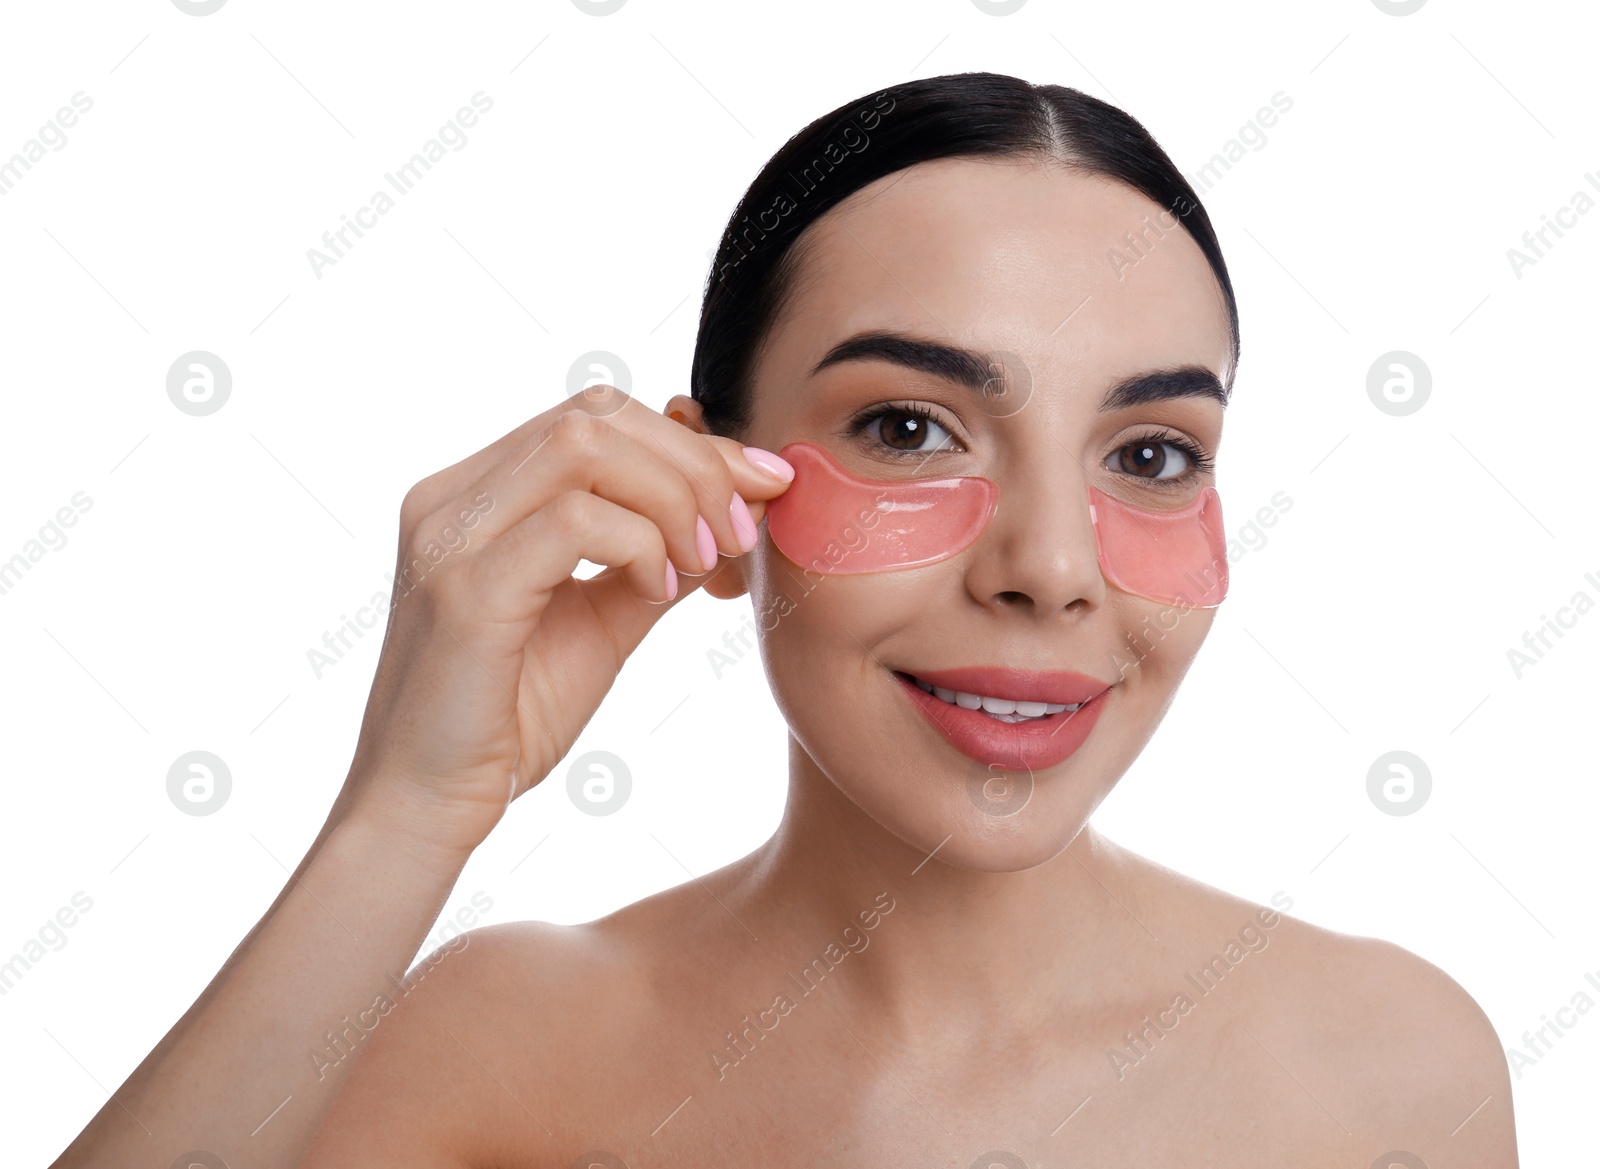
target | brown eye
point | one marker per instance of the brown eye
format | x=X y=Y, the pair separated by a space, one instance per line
x=907 y=430
x=1152 y=460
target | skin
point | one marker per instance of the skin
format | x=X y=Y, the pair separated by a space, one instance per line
x=978 y=1012
x=992 y=961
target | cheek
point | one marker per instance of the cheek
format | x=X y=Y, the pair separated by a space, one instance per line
x=1160 y=642
x=812 y=633
x=812 y=620
x=816 y=629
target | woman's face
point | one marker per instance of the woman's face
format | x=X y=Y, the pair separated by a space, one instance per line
x=1032 y=267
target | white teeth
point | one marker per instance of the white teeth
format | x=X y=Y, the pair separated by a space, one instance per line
x=1004 y=709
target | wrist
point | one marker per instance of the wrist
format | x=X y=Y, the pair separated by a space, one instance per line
x=383 y=816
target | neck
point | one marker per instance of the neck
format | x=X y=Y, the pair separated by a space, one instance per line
x=921 y=946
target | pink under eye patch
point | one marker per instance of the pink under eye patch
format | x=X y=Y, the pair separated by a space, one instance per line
x=1174 y=557
x=832 y=522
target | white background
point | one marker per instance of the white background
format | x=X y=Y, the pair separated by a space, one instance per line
x=177 y=617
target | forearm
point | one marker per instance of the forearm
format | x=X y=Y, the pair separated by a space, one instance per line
x=248 y=1072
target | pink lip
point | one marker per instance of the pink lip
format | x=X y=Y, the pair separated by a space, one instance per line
x=1026 y=746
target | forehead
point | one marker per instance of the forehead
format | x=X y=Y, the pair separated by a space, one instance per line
x=1082 y=277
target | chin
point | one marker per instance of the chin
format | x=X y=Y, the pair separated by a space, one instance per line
x=1004 y=829
x=1013 y=854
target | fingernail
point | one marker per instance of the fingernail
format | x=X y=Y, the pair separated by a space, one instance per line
x=744 y=524
x=770 y=463
x=705 y=544
x=672 y=581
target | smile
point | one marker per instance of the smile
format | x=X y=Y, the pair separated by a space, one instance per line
x=1007 y=710
x=1017 y=719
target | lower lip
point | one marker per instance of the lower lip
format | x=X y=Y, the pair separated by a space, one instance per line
x=1026 y=746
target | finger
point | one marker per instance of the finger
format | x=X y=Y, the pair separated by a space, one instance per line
x=751 y=481
x=439 y=488
x=583 y=453
x=709 y=471
x=580 y=451
x=512 y=578
x=619 y=607
x=721 y=469
x=435 y=491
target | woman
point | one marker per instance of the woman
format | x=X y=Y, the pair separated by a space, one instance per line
x=996 y=295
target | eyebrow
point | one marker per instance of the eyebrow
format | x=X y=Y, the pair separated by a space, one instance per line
x=979 y=371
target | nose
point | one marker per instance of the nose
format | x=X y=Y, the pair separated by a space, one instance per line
x=1038 y=552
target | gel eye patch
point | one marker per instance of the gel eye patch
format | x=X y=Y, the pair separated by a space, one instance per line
x=1174 y=557
x=832 y=522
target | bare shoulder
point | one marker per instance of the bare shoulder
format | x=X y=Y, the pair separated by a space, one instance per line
x=1374 y=1038
x=470 y=1046
x=1416 y=1051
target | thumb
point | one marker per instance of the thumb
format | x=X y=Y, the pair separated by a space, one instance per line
x=629 y=616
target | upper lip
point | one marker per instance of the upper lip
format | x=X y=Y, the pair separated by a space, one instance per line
x=1061 y=687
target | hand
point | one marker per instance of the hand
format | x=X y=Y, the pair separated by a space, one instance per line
x=495 y=656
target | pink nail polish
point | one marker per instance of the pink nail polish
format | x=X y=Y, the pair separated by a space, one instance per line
x=744 y=524
x=705 y=544
x=770 y=463
x=672 y=581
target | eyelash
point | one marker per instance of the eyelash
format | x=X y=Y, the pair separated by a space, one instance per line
x=871 y=414
x=1200 y=463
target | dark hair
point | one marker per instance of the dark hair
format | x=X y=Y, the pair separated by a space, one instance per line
x=959 y=114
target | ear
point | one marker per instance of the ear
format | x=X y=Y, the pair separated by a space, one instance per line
x=727 y=581
x=684 y=409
